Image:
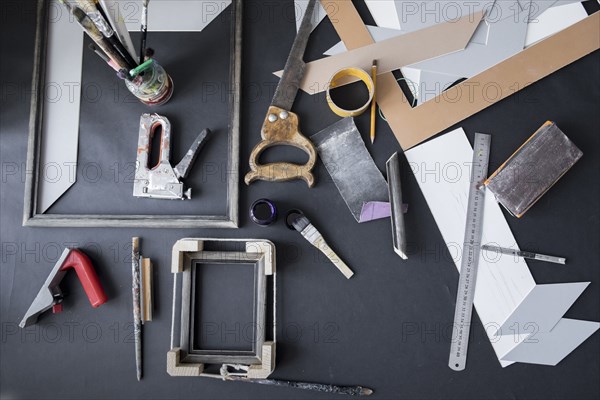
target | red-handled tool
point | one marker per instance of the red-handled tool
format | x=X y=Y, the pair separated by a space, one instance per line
x=50 y=295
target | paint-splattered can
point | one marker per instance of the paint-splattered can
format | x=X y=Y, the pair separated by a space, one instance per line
x=153 y=86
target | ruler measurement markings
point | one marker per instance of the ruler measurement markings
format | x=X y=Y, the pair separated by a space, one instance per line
x=470 y=257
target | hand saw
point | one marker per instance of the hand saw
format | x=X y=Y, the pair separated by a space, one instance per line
x=280 y=126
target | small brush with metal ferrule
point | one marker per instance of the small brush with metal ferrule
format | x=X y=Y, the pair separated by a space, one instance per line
x=310 y=233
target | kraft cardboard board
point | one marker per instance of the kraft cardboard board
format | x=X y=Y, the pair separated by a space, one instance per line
x=392 y=53
x=502 y=40
x=377 y=33
x=414 y=125
x=545 y=23
x=389 y=94
x=347 y=23
x=411 y=126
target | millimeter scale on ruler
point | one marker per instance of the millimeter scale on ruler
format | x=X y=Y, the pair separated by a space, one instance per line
x=470 y=254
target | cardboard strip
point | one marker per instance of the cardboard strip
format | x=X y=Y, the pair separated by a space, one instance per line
x=411 y=126
x=354 y=34
x=494 y=84
x=398 y=51
x=146 y=295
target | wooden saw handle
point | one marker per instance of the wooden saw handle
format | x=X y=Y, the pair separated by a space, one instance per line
x=281 y=128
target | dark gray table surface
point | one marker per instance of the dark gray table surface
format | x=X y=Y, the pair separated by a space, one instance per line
x=386 y=328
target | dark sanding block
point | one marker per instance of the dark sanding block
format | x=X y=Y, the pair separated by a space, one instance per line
x=533 y=169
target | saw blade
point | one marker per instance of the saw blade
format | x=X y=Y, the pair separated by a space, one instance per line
x=294 y=67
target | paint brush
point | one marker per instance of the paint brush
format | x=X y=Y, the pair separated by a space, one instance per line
x=319 y=387
x=137 y=310
x=144 y=29
x=92 y=31
x=113 y=11
x=104 y=27
x=103 y=56
x=374 y=102
x=312 y=235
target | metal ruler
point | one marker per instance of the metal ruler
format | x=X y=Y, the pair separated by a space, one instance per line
x=470 y=254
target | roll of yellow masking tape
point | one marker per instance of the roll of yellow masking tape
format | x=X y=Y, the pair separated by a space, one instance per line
x=341 y=78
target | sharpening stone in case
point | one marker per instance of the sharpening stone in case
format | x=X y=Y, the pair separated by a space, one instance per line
x=533 y=169
x=350 y=165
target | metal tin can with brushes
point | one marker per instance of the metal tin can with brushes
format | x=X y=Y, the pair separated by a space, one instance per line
x=150 y=83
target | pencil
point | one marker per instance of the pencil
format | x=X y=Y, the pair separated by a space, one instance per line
x=374 y=102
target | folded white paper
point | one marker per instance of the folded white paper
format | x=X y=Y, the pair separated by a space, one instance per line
x=384 y=13
x=522 y=319
x=300 y=10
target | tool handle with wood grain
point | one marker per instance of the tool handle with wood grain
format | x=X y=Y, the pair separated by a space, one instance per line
x=315 y=238
x=325 y=249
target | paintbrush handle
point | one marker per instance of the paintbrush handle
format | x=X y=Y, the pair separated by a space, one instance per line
x=318 y=387
x=315 y=238
x=137 y=313
x=93 y=32
x=114 y=15
x=325 y=249
x=144 y=30
x=93 y=12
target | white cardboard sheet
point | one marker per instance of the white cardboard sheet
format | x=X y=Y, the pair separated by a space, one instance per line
x=553 y=20
x=384 y=13
x=300 y=10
